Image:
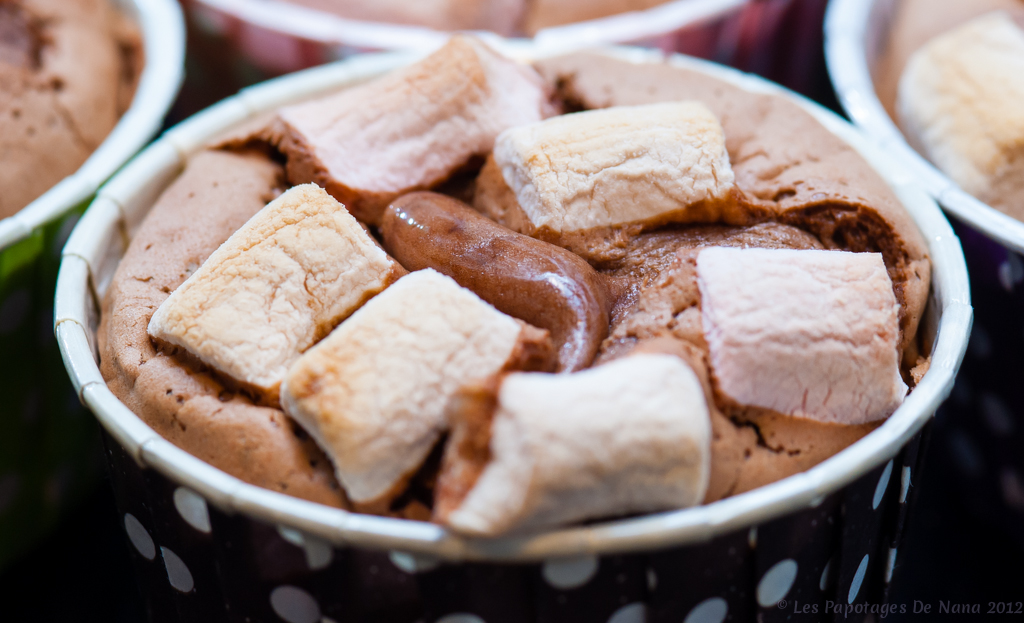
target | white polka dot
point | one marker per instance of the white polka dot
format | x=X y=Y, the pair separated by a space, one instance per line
x=9 y=486
x=460 y=618
x=14 y=311
x=294 y=605
x=891 y=565
x=413 y=563
x=1013 y=489
x=319 y=554
x=567 y=573
x=652 y=580
x=177 y=572
x=711 y=610
x=291 y=535
x=823 y=582
x=1011 y=272
x=858 y=579
x=192 y=508
x=777 y=581
x=997 y=415
x=904 y=484
x=752 y=537
x=633 y=613
x=139 y=537
x=883 y=484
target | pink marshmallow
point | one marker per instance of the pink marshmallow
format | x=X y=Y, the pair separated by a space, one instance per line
x=811 y=334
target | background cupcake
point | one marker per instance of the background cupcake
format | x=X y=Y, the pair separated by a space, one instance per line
x=927 y=79
x=83 y=85
x=69 y=72
x=238 y=42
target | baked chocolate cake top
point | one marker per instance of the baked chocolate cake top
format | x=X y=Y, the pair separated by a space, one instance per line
x=797 y=186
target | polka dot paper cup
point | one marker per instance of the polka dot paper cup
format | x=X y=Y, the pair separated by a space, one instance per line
x=47 y=440
x=209 y=547
x=779 y=39
x=982 y=428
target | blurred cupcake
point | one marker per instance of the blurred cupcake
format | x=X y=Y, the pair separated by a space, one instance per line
x=941 y=82
x=68 y=71
x=77 y=101
x=238 y=42
x=506 y=17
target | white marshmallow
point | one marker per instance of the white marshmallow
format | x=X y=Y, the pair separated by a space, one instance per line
x=299 y=267
x=616 y=166
x=630 y=436
x=373 y=392
x=961 y=103
x=811 y=333
x=412 y=128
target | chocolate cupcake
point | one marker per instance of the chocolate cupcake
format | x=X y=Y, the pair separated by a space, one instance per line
x=68 y=71
x=582 y=399
x=278 y=342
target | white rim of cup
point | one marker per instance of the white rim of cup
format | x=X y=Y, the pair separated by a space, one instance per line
x=328 y=28
x=846 y=54
x=163 y=36
x=125 y=199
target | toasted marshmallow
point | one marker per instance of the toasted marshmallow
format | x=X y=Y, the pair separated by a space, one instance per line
x=278 y=285
x=373 y=392
x=412 y=128
x=961 y=104
x=630 y=436
x=625 y=166
x=807 y=333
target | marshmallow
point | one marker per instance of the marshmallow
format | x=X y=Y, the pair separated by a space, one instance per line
x=627 y=437
x=630 y=166
x=278 y=285
x=412 y=128
x=806 y=333
x=960 y=104
x=373 y=393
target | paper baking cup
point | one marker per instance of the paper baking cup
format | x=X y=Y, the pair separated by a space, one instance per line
x=208 y=546
x=47 y=453
x=779 y=39
x=983 y=427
